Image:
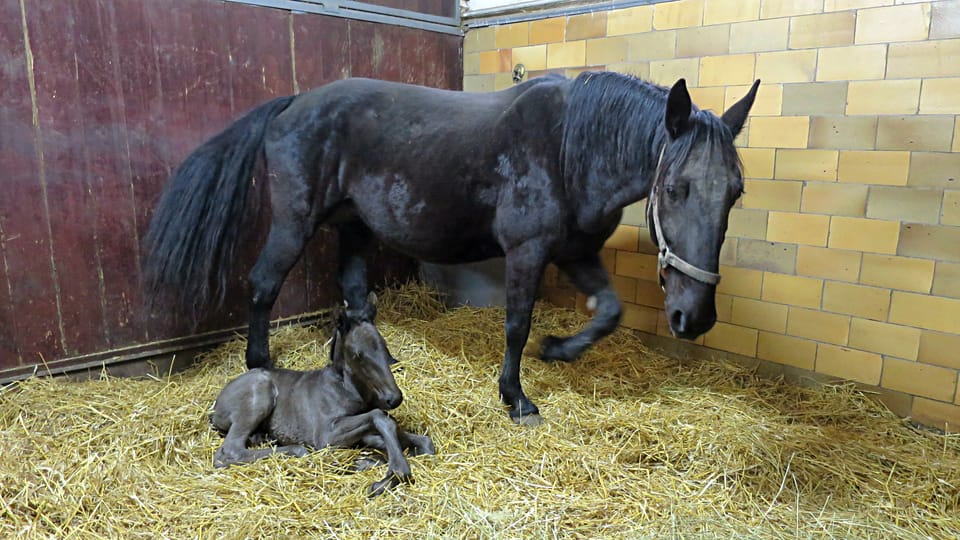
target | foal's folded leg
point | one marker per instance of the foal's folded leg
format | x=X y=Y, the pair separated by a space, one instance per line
x=375 y=426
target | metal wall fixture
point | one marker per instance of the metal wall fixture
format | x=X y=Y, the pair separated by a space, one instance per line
x=369 y=12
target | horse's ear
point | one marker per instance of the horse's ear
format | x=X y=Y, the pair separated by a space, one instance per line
x=736 y=115
x=677 y=116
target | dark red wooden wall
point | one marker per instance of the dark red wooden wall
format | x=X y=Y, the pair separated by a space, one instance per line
x=100 y=100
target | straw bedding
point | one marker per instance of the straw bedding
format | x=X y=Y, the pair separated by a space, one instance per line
x=635 y=445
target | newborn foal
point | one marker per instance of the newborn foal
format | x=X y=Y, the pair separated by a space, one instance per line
x=342 y=404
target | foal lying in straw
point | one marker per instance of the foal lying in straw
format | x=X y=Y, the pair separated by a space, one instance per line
x=342 y=404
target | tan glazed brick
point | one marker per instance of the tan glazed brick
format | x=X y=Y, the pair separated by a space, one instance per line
x=533 y=57
x=852 y=63
x=604 y=51
x=940 y=349
x=746 y=223
x=629 y=21
x=761 y=315
x=827 y=30
x=679 y=14
x=779 y=132
x=703 y=41
x=755 y=36
x=828 y=263
x=511 y=35
x=919 y=379
x=667 y=72
x=567 y=54
x=792 y=290
x=850 y=364
x=547 y=30
x=840 y=5
x=625 y=238
x=787 y=66
x=757 y=162
x=732 y=338
x=796 y=352
x=814 y=98
x=930 y=241
x=934 y=169
x=940 y=96
x=587 y=25
x=772 y=194
x=788 y=8
x=918 y=205
x=843 y=132
x=764 y=255
x=653 y=46
x=884 y=338
x=740 y=281
x=710 y=98
x=857 y=300
x=834 y=199
x=878 y=167
x=729 y=11
x=860 y=234
x=726 y=70
x=895 y=23
x=883 y=97
x=929 y=312
x=795 y=228
x=946 y=280
x=940 y=58
x=897 y=272
x=818 y=326
x=951 y=208
x=768 y=101
x=807 y=164
x=937 y=414
x=931 y=133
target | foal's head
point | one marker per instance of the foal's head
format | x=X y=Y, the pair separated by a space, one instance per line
x=698 y=180
x=362 y=353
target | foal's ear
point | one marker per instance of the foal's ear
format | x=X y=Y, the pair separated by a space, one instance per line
x=677 y=116
x=372 y=298
x=736 y=115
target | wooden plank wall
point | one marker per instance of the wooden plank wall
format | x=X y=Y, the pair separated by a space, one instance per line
x=99 y=102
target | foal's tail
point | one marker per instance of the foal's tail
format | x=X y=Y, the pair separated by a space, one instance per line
x=198 y=220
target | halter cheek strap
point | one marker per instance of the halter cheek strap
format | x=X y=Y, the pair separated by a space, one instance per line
x=666 y=257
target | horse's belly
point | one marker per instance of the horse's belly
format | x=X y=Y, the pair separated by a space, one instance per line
x=442 y=247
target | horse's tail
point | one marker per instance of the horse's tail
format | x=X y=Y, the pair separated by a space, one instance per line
x=198 y=220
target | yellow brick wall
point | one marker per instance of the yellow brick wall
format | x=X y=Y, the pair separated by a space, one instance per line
x=843 y=257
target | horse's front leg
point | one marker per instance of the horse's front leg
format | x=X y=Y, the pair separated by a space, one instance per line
x=375 y=428
x=590 y=278
x=524 y=269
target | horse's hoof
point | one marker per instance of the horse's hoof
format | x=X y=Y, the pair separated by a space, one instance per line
x=529 y=420
x=552 y=348
x=366 y=463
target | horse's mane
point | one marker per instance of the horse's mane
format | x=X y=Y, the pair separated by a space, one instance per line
x=614 y=122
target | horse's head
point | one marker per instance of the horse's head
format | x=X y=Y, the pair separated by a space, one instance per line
x=697 y=181
x=362 y=351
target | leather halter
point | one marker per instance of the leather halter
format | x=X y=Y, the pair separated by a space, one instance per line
x=666 y=257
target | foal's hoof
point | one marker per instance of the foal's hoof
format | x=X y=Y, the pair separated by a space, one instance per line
x=553 y=348
x=391 y=481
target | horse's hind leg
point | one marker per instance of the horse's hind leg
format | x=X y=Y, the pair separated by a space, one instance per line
x=355 y=240
x=296 y=215
x=241 y=408
x=590 y=278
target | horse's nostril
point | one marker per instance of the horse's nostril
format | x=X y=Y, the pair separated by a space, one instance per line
x=678 y=321
x=394 y=401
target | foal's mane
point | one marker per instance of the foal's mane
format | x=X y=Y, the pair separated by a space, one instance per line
x=615 y=122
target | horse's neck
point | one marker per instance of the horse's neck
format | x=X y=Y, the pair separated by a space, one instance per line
x=615 y=159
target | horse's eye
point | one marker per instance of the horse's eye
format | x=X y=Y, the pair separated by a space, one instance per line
x=671 y=191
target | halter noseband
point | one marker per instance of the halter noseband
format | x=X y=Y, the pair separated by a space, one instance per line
x=666 y=257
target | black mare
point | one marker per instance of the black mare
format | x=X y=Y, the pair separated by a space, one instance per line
x=537 y=173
